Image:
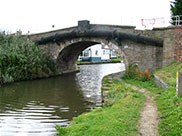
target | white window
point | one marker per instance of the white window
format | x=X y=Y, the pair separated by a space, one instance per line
x=96 y=52
x=107 y=53
x=86 y=53
x=104 y=52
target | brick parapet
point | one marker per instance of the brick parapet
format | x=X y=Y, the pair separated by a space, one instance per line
x=178 y=44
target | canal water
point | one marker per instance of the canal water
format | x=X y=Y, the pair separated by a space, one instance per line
x=34 y=108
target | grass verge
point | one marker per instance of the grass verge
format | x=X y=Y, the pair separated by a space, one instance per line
x=115 y=60
x=118 y=117
x=168 y=73
x=169 y=105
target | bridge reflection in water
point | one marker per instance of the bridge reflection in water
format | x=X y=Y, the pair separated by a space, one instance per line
x=36 y=107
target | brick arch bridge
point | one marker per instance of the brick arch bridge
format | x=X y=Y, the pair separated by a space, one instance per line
x=146 y=48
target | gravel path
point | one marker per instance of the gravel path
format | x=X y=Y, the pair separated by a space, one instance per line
x=148 y=123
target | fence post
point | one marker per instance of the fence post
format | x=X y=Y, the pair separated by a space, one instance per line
x=179 y=84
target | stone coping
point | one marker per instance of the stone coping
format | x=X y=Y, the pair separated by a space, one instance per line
x=160 y=82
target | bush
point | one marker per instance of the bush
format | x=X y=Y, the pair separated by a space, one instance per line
x=21 y=59
x=133 y=72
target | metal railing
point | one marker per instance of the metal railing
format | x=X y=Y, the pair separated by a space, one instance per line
x=176 y=20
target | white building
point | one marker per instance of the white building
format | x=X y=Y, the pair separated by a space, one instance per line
x=98 y=53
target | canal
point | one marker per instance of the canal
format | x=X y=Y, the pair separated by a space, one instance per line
x=32 y=108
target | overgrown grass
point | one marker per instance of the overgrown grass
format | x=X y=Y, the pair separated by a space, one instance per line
x=21 y=59
x=168 y=73
x=118 y=117
x=133 y=72
x=169 y=105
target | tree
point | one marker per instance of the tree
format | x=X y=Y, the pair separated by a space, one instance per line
x=176 y=9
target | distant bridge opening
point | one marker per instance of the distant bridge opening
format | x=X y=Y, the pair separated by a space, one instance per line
x=66 y=60
x=98 y=53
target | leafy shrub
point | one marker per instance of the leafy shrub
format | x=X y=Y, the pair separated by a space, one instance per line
x=21 y=59
x=133 y=72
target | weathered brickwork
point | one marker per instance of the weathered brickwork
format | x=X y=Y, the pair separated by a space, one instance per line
x=172 y=43
x=178 y=44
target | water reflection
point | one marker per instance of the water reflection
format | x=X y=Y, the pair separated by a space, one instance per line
x=90 y=78
x=36 y=107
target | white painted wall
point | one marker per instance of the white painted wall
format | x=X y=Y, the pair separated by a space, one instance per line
x=96 y=51
x=99 y=50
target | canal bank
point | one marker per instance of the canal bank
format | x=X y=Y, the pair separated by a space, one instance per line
x=105 y=121
x=119 y=114
x=103 y=62
x=37 y=106
x=168 y=103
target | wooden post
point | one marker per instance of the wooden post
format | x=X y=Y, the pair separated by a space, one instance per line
x=179 y=84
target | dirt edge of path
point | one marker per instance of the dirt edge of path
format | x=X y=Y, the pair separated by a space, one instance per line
x=148 y=123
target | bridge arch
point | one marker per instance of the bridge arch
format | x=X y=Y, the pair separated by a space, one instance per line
x=136 y=46
x=67 y=57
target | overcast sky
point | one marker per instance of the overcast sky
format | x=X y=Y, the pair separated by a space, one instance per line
x=39 y=15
